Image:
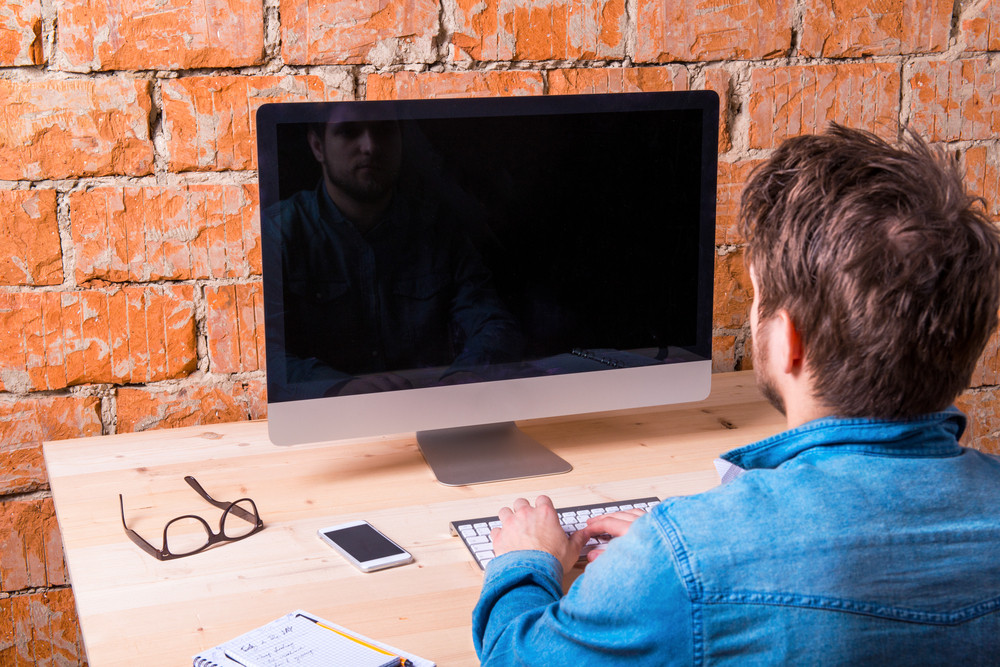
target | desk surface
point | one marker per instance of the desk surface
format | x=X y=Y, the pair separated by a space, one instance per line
x=131 y=605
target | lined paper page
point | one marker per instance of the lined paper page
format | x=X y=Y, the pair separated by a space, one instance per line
x=297 y=641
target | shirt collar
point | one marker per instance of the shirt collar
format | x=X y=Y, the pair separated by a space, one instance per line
x=333 y=213
x=330 y=210
x=935 y=434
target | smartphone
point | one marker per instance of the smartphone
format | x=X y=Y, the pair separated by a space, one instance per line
x=364 y=547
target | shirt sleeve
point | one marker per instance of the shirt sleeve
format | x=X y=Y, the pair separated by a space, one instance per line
x=630 y=606
x=488 y=333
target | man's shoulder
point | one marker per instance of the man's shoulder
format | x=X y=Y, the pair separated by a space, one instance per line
x=836 y=485
x=302 y=203
x=755 y=496
x=837 y=527
x=293 y=215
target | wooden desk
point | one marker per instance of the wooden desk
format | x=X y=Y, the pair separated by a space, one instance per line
x=132 y=606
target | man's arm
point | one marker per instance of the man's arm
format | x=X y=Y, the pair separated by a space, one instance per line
x=488 y=332
x=630 y=606
x=537 y=528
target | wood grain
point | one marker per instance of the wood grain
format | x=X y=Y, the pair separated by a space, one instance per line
x=132 y=606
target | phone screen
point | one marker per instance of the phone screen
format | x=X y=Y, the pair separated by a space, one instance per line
x=363 y=542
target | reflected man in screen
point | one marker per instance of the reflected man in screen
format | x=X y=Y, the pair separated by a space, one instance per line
x=380 y=278
x=865 y=534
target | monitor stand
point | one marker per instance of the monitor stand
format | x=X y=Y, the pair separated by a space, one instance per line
x=486 y=453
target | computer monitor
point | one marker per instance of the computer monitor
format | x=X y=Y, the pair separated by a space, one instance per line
x=451 y=266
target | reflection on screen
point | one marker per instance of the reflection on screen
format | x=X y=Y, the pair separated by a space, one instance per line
x=424 y=252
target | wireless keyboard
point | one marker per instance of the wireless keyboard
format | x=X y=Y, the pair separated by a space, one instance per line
x=475 y=533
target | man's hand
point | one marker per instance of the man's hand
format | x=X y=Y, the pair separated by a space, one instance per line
x=615 y=525
x=371 y=383
x=527 y=527
x=460 y=377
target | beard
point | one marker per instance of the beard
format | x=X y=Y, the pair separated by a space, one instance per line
x=369 y=188
x=765 y=383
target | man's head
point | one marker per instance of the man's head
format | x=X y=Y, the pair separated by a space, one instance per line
x=887 y=270
x=360 y=159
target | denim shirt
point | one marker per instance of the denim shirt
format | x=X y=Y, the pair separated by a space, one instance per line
x=846 y=541
x=410 y=293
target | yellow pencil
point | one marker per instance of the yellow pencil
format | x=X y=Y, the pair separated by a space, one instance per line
x=402 y=661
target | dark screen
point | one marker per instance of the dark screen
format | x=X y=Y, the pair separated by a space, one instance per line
x=363 y=542
x=587 y=232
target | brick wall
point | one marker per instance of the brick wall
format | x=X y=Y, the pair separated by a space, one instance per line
x=130 y=271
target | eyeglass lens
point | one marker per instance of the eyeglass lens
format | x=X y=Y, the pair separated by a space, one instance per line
x=185 y=535
x=233 y=526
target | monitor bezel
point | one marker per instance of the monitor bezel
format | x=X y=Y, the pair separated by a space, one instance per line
x=407 y=411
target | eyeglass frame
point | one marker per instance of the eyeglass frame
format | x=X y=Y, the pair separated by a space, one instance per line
x=213 y=538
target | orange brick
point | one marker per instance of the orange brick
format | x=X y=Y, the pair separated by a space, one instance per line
x=21 y=34
x=40 y=628
x=136 y=334
x=954 y=100
x=745 y=363
x=8 y=648
x=31 y=556
x=987 y=371
x=160 y=34
x=413 y=85
x=22 y=468
x=981 y=407
x=493 y=30
x=66 y=128
x=854 y=28
x=981 y=26
x=210 y=121
x=256 y=395
x=720 y=80
x=733 y=292
x=618 y=80
x=235 y=327
x=144 y=234
x=723 y=353
x=712 y=30
x=29 y=235
x=982 y=175
x=27 y=421
x=380 y=32
x=31 y=342
x=790 y=101
x=143 y=409
x=732 y=177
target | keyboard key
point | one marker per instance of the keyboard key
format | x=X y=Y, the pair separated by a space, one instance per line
x=475 y=533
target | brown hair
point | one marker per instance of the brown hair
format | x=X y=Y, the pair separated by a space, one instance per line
x=889 y=270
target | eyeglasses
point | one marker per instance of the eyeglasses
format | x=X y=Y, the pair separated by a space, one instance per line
x=190 y=534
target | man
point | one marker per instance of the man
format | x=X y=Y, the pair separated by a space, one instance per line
x=378 y=276
x=864 y=534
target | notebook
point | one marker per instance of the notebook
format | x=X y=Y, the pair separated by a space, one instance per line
x=305 y=640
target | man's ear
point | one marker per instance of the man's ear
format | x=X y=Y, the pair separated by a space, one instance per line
x=787 y=343
x=315 y=145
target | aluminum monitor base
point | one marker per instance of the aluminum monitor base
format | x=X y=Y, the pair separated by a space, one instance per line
x=486 y=453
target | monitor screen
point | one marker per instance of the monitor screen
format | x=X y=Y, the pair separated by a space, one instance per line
x=436 y=264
